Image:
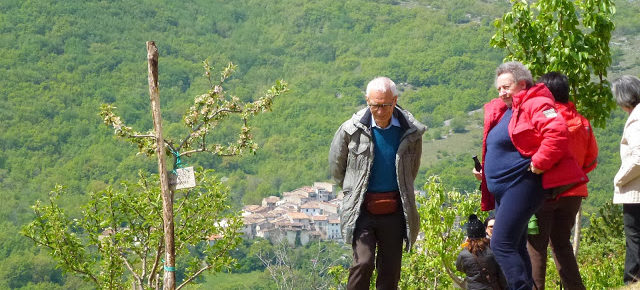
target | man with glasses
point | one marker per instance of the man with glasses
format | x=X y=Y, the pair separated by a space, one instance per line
x=374 y=157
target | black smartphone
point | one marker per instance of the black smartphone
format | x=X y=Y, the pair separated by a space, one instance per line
x=476 y=163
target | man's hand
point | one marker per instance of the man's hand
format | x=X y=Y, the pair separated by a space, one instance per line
x=535 y=170
x=477 y=174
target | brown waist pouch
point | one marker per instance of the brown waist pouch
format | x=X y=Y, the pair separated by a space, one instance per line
x=382 y=202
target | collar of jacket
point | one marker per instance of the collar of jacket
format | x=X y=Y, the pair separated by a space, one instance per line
x=635 y=112
x=366 y=118
x=538 y=90
x=361 y=120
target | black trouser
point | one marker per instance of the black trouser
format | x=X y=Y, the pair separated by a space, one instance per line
x=387 y=232
x=555 y=221
x=631 y=218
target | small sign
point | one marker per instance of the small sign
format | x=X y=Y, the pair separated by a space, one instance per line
x=186 y=178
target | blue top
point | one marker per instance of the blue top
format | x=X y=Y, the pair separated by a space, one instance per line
x=503 y=164
x=383 y=176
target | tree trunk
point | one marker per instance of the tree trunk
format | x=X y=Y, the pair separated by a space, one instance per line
x=576 y=232
x=167 y=195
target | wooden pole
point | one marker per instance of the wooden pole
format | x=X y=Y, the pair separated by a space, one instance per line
x=167 y=195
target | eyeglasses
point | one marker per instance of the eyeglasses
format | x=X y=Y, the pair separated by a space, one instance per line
x=379 y=106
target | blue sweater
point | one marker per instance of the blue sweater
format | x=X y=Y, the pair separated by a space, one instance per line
x=383 y=176
x=503 y=165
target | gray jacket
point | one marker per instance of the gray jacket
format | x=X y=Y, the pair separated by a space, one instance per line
x=350 y=160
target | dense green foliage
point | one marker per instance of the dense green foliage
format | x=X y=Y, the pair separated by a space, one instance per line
x=443 y=215
x=571 y=37
x=118 y=240
x=280 y=266
x=62 y=59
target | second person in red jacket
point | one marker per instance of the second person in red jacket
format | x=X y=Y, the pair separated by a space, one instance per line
x=557 y=216
x=525 y=153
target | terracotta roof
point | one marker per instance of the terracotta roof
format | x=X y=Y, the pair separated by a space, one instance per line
x=286 y=207
x=295 y=193
x=320 y=218
x=288 y=224
x=278 y=211
x=272 y=214
x=334 y=221
x=308 y=189
x=250 y=221
x=271 y=199
x=311 y=204
x=255 y=216
x=298 y=215
x=324 y=185
x=255 y=208
x=251 y=207
x=280 y=219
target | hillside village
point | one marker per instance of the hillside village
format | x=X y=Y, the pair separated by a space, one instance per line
x=305 y=214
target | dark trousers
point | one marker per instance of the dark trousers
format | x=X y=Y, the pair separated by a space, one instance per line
x=387 y=233
x=509 y=241
x=555 y=221
x=631 y=219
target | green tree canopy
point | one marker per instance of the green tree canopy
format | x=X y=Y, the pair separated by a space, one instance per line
x=571 y=37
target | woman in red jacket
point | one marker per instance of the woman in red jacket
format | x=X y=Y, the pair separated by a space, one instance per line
x=557 y=216
x=525 y=153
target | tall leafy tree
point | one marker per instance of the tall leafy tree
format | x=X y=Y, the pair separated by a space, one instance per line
x=118 y=241
x=568 y=36
x=130 y=219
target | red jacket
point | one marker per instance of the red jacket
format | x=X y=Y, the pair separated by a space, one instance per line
x=537 y=131
x=582 y=144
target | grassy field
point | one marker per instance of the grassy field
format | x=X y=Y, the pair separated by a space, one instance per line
x=453 y=143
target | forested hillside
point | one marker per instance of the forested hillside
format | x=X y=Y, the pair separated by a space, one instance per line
x=59 y=60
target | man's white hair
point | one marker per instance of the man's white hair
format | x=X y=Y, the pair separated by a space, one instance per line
x=382 y=84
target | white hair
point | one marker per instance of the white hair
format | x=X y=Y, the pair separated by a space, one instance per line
x=517 y=70
x=382 y=84
x=626 y=90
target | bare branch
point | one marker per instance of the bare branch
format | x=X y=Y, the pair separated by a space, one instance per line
x=187 y=153
x=212 y=116
x=186 y=197
x=135 y=275
x=145 y=252
x=154 y=269
x=143 y=136
x=194 y=276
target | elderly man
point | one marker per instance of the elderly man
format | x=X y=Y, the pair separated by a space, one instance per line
x=374 y=157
